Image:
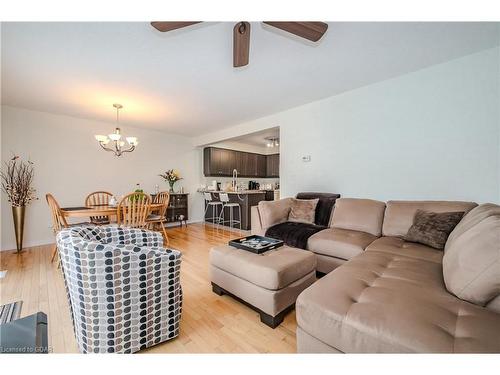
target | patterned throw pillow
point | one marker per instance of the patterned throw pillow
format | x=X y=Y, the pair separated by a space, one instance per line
x=432 y=229
x=303 y=210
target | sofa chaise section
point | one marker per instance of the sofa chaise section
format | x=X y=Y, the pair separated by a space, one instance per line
x=383 y=302
x=393 y=297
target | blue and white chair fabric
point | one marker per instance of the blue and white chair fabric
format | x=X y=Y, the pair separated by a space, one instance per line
x=123 y=287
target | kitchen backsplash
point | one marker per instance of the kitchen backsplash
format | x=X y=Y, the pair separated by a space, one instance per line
x=264 y=182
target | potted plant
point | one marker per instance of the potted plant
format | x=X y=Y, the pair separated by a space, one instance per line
x=171 y=176
x=17 y=183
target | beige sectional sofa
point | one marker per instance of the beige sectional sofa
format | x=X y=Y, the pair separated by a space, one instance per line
x=383 y=294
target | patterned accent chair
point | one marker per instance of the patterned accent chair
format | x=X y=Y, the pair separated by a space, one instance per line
x=123 y=288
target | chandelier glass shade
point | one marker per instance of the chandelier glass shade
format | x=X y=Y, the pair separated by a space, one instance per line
x=272 y=142
x=116 y=144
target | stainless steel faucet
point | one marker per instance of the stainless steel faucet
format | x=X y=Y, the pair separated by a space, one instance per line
x=234 y=182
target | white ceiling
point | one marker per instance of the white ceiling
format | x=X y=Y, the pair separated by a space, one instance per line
x=258 y=138
x=184 y=82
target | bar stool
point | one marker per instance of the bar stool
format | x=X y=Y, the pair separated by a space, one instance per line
x=209 y=200
x=224 y=198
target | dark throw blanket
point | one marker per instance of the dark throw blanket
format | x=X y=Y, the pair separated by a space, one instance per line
x=324 y=207
x=294 y=234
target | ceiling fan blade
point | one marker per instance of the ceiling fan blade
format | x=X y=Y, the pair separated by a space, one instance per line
x=241 y=44
x=312 y=31
x=169 y=26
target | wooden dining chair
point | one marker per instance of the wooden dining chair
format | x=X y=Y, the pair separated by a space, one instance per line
x=58 y=221
x=133 y=210
x=159 y=218
x=98 y=198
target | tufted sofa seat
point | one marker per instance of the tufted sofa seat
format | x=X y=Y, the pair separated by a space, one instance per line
x=397 y=246
x=382 y=301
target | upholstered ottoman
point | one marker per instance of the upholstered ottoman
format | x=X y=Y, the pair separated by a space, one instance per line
x=269 y=282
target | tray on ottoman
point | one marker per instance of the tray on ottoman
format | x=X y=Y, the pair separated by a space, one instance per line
x=256 y=244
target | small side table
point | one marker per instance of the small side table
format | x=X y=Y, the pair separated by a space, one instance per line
x=26 y=335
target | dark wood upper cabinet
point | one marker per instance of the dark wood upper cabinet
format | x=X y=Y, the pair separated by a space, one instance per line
x=221 y=162
x=261 y=166
x=273 y=165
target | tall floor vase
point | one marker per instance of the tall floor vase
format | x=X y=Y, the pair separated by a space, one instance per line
x=18 y=216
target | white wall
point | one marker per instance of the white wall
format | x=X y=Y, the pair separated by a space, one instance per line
x=431 y=134
x=69 y=163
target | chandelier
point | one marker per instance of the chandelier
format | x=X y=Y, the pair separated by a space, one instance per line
x=117 y=144
x=272 y=142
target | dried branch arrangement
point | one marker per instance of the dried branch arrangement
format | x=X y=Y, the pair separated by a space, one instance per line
x=17 y=181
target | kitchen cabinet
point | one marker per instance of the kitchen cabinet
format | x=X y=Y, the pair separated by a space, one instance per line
x=251 y=169
x=261 y=166
x=221 y=162
x=218 y=161
x=273 y=165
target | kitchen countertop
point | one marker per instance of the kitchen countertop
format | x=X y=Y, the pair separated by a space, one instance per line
x=241 y=192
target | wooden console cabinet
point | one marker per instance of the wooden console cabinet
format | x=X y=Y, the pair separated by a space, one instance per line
x=177 y=206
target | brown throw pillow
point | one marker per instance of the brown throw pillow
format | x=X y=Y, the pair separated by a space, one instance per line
x=432 y=229
x=303 y=210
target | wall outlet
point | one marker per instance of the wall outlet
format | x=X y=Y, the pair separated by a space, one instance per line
x=306 y=158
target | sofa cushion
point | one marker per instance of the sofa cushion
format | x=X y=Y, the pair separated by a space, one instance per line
x=271 y=270
x=326 y=201
x=471 y=264
x=399 y=215
x=303 y=210
x=339 y=243
x=383 y=302
x=363 y=215
x=432 y=229
x=293 y=234
x=274 y=212
x=398 y=246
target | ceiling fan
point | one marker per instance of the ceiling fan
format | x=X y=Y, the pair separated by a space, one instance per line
x=312 y=31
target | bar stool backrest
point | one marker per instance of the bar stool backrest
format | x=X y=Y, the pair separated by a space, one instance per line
x=224 y=197
x=208 y=197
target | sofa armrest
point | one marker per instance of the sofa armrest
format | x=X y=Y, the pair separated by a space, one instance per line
x=256 y=224
x=269 y=213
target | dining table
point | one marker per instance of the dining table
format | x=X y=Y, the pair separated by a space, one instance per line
x=97 y=210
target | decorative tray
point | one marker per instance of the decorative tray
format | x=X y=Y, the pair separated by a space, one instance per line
x=256 y=244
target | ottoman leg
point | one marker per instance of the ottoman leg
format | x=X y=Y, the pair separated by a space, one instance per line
x=272 y=321
x=217 y=289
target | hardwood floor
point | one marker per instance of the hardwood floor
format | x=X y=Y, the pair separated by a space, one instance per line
x=210 y=324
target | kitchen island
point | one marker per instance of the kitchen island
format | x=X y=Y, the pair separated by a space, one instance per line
x=245 y=198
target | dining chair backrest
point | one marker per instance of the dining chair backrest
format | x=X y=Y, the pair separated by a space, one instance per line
x=58 y=221
x=98 y=198
x=133 y=210
x=162 y=198
x=224 y=197
x=208 y=197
